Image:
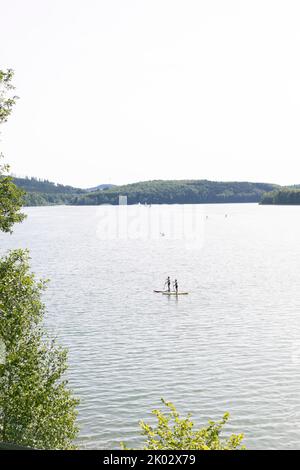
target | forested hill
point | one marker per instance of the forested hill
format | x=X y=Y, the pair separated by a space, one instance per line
x=43 y=192
x=44 y=186
x=40 y=192
x=178 y=192
x=284 y=196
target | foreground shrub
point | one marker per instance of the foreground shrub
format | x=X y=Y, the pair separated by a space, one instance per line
x=175 y=433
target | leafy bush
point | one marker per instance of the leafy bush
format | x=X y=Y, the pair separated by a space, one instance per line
x=175 y=433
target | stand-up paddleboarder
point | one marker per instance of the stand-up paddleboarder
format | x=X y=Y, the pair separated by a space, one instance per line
x=168 y=283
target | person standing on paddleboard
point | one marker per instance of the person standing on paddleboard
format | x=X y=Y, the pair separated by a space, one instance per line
x=168 y=283
x=176 y=286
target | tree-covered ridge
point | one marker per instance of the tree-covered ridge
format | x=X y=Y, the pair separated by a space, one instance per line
x=285 y=196
x=44 y=192
x=44 y=186
x=178 y=192
x=40 y=192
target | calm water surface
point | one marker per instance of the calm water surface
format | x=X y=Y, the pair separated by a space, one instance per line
x=232 y=345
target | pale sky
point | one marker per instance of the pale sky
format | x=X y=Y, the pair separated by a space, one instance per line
x=116 y=91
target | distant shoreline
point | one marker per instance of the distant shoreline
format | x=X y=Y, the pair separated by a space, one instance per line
x=44 y=192
x=142 y=205
x=282 y=197
x=170 y=192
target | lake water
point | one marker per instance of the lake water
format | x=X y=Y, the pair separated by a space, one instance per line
x=232 y=344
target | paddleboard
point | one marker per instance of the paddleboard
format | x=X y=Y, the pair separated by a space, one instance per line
x=160 y=291
x=175 y=293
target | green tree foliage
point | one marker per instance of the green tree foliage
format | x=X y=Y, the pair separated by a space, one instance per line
x=40 y=192
x=177 y=192
x=11 y=201
x=282 y=197
x=175 y=433
x=36 y=185
x=7 y=100
x=36 y=407
x=43 y=192
x=45 y=199
x=11 y=197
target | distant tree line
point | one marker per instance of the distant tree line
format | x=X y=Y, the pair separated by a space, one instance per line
x=282 y=197
x=41 y=192
x=47 y=199
x=44 y=186
x=178 y=192
x=44 y=193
